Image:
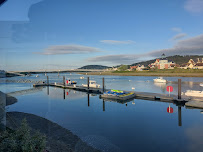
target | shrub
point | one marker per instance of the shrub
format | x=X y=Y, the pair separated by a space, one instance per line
x=21 y=140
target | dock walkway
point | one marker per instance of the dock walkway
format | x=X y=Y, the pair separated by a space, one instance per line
x=140 y=95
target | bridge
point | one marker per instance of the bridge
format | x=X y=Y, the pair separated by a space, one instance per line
x=20 y=81
x=57 y=70
x=15 y=73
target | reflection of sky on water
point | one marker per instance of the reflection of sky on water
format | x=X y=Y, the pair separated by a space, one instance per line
x=140 y=126
x=143 y=126
x=140 y=83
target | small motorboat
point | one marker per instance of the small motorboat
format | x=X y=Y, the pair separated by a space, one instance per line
x=194 y=93
x=201 y=84
x=37 y=75
x=118 y=95
x=159 y=80
x=82 y=77
x=92 y=84
x=69 y=82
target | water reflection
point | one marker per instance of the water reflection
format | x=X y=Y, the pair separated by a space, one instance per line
x=103 y=105
x=179 y=116
x=129 y=127
x=2 y=111
x=161 y=85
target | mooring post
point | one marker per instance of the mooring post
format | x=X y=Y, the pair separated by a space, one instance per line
x=64 y=81
x=88 y=80
x=179 y=88
x=179 y=116
x=103 y=84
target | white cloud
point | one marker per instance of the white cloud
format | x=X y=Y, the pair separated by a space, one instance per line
x=68 y=49
x=194 y=6
x=117 y=42
x=176 y=29
x=179 y=36
x=190 y=46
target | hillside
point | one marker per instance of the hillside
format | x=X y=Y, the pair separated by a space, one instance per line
x=177 y=59
x=94 y=67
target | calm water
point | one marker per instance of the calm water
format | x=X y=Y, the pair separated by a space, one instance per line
x=138 y=125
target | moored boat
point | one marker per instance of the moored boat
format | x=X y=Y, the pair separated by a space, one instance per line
x=92 y=84
x=159 y=80
x=118 y=95
x=195 y=93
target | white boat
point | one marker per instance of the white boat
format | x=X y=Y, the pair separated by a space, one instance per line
x=82 y=77
x=194 y=93
x=159 y=80
x=201 y=84
x=37 y=75
x=92 y=84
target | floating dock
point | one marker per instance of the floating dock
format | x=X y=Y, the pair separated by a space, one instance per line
x=176 y=99
x=139 y=95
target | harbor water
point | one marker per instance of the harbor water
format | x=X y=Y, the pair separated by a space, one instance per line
x=136 y=125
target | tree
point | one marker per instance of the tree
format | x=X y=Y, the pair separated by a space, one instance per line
x=123 y=67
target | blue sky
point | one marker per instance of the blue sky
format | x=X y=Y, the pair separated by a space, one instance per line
x=66 y=34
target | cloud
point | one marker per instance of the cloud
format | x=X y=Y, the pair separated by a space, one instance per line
x=119 y=59
x=179 y=36
x=68 y=49
x=194 y=6
x=190 y=46
x=117 y=42
x=176 y=29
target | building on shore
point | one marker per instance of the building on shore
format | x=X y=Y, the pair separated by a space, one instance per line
x=191 y=64
x=132 y=68
x=162 y=64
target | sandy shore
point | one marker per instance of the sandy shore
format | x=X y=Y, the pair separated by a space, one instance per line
x=147 y=74
x=58 y=138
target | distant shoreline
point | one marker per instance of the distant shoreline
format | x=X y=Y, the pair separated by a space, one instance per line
x=146 y=74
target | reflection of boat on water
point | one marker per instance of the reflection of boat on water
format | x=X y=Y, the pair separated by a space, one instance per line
x=92 y=84
x=194 y=93
x=82 y=77
x=201 y=84
x=159 y=80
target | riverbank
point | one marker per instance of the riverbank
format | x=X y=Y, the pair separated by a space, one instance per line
x=132 y=73
x=9 y=100
x=58 y=139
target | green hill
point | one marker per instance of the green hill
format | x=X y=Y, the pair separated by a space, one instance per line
x=94 y=67
x=177 y=59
